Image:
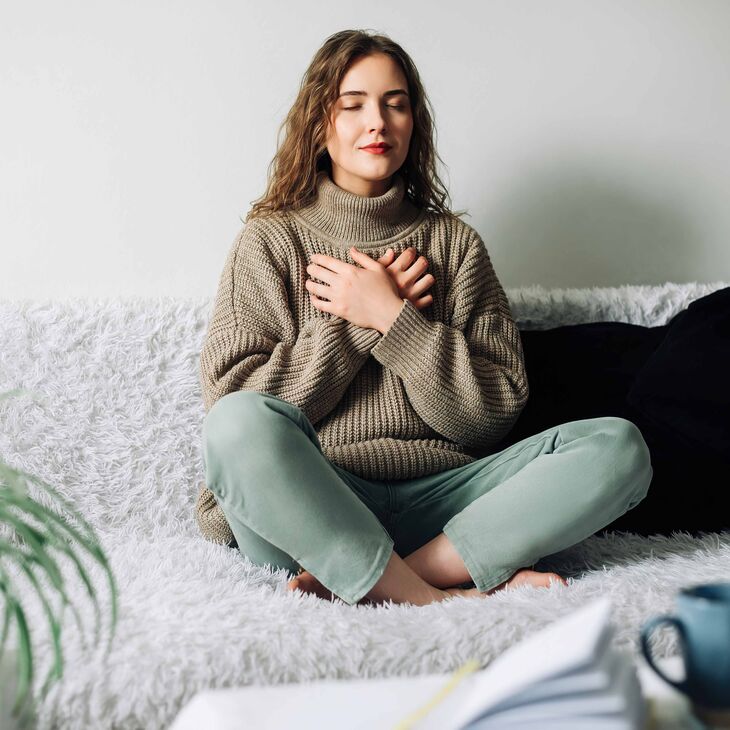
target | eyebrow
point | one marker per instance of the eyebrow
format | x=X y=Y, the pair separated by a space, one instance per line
x=392 y=92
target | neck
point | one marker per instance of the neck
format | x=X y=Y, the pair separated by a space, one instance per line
x=344 y=218
x=359 y=185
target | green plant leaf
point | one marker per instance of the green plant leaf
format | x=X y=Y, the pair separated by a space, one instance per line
x=48 y=517
x=36 y=541
x=25 y=651
x=91 y=544
x=67 y=506
x=14 y=493
x=6 y=618
x=22 y=558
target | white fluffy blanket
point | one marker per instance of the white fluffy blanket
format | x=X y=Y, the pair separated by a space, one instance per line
x=120 y=436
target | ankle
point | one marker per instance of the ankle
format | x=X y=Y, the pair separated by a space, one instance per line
x=438 y=563
x=400 y=584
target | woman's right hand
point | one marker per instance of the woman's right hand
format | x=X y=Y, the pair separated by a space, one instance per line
x=405 y=271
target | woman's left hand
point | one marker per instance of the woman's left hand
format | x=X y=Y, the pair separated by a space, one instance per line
x=366 y=296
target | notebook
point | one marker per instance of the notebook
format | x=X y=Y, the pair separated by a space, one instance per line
x=565 y=676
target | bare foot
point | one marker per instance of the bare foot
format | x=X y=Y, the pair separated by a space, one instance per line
x=524 y=575
x=307 y=583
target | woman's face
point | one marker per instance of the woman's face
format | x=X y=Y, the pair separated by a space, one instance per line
x=380 y=111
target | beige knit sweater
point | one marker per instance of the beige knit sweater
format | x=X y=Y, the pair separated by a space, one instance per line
x=443 y=383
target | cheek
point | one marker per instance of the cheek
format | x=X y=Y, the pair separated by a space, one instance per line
x=346 y=133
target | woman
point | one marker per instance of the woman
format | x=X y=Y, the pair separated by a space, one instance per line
x=325 y=316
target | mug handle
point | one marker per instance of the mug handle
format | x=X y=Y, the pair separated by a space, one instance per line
x=646 y=630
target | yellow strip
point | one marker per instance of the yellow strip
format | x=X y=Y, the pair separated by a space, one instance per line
x=471 y=666
x=650 y=715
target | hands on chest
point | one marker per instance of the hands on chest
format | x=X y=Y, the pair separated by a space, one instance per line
x=370 y=295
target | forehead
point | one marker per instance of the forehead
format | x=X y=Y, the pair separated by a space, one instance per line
x=374 y=74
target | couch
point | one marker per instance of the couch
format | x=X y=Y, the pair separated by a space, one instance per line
x=119 y=434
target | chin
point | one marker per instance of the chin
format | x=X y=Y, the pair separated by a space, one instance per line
x=375 y=178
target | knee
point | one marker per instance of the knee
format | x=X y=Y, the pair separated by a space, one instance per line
x=235 y=418
x=630 y=457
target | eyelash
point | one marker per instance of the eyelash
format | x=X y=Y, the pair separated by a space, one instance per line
x=390 y=106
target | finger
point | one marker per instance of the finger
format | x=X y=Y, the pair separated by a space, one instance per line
x=406 y=258
x=328 y=262
x=422 y=285
x=319 y=289
x=414 y=272
x=320 y=303
x=319 y=272
x=423 y=302
x=363 y=259
x=387 y=257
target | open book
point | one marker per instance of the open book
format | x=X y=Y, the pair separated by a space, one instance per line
x=566 y=676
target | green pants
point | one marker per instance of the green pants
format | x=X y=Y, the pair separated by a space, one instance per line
x=289 y=506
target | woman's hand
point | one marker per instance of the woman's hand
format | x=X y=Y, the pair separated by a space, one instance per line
x=405 y=272
x=366 y=295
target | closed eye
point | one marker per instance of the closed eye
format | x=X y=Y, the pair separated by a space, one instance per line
x=390 y=106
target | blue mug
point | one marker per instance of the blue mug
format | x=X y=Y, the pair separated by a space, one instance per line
x=703 y=623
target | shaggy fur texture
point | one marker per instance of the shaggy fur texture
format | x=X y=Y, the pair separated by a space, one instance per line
x=120 y=436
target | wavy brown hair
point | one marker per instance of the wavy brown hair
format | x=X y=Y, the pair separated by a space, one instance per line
x=293 y=172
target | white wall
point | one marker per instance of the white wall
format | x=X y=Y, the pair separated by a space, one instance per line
x=588 y=139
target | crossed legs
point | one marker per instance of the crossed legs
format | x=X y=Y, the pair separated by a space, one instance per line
x=430 y=573
x=504 y=511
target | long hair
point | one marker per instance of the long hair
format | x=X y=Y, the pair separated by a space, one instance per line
x=303 y=153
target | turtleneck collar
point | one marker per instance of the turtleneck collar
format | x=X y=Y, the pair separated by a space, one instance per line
x=344 y=218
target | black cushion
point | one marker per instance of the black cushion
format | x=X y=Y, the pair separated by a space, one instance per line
x=580 y=371
x=684 y=387
x=672 y=388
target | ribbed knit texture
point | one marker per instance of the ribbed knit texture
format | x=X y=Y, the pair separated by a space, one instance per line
x=443 y=383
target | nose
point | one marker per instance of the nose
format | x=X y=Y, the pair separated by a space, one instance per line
x=375 y=118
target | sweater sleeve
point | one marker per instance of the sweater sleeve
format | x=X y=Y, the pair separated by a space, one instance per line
x=253 y=341
x=467 y=379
